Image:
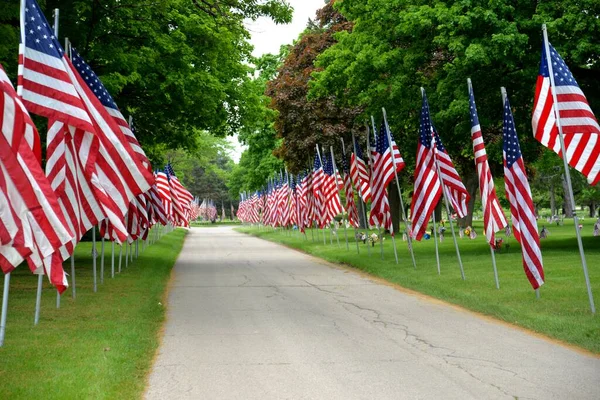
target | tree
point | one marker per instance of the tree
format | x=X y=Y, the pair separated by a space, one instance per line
x=397 y=46
x=303 y=122
x=178 y=66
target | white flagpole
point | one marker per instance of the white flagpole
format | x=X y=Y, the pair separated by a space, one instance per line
x=94 y=257
x=321 y=162
x=367 y=222
x=38 y=297
x=437 y=251
x=120 y=256
x=408 y=237
x=380 y=237
x=102 y=262
x=126 y=253
x=567 y=172
x=470 y=86
x=359 y=200
x=4 y=308
x=112 y=259
x=73 y=291
x=437 y=165
x=55 y=28
x=335 y=175
x=362 y=204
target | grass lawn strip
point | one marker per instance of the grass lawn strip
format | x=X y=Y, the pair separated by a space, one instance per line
x=561 y=313
x=100 y=345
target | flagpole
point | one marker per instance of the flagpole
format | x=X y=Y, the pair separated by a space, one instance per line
x=4 y=308
x=73 y=291
x=355 y=229
x=381 y=238
x=437 y=165
x=321 y=162
x=126 y=253
x=367 y=222
x=120 y=256
x=38 y=297
x=102 y=262
x=470 y=88
x=112 y=260
x=333 y=221
x=567 y=172
x=360 y=200
x=335 y=175
x=94 y=257
x=437 y=251
x=409 y=239
x=55 y=28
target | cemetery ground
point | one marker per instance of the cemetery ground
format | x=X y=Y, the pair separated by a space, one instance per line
x=100 y=345
x=562 y=312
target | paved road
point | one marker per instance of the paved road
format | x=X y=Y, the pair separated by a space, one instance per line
x=249 y=319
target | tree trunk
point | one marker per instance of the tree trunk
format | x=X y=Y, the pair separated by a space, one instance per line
x=592 y=209
x=472 y=186
x=362 y=213
x=552 y=200
x=438 y=210
x=567 y=206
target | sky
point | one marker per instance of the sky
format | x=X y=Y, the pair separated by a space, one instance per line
x=267 y=37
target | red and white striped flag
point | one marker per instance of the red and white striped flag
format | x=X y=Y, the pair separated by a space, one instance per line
x=330 y=187
x=493 y=216
x=382 y=174
x=579 y=125
x=33 y=225
x=319 y=210
x=427 y=188
x=521 y=204
x=350 y=203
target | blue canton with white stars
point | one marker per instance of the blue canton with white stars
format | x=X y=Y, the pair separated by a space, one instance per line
x=473 y=109
x=426 y=124
x=511 y=141
x=382 y=141
x=562 y=74
x=345 y=166
x=328 y=165
x=358 y=150
x=92 y=81
x=39 y=35
x=317 y=163
x=169 y=170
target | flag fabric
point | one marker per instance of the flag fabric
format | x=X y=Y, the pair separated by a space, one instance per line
x=330 y=186
x=360 y=174
x=185 y=197
x=179 y=210
x=382 y=175
x=427 y=187
x=580 y=128
x=319 y=211
x=453 y=187
x=493 y=216
x=521 y=204
x=33 y=226
x=398 y=160
x=349 y=191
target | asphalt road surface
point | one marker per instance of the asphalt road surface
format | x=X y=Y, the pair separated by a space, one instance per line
x=249 y=319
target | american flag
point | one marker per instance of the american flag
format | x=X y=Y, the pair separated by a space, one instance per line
x=383 y=174
x=180 y=198
x=350 y=203
x=318 y=177
x=521 y=204
x=330 y=188
x=302 y=201
x=32 y=225
x=453 y=187
x=427 y=188
x=493 y=216
x=164 y=192
x=399 y=161
x=579 y=125
x=359 y=173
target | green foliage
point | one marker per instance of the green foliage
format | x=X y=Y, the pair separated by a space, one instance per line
x=178 y=66
x=397 y=46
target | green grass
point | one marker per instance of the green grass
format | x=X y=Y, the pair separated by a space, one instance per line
x=99 y=346
x=562 y=312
